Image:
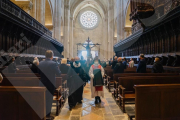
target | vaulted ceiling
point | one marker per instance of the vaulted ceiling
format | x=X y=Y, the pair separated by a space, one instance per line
x=77 y=5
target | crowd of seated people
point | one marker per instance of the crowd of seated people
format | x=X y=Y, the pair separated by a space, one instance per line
x=120 y=64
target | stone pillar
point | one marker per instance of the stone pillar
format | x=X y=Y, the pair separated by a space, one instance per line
x=110 y=29
x=104 y=45
x=33 y=11
x=120 y=19
x=71 y=43
x=66 y=29
x=57 y=20
x=40 y=13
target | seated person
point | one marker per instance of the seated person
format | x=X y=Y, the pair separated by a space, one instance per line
x=34 y=66
x=114 y=62
x=141 y=68
x=124 y=63
x=131 y=63
x=12 y=66
x=157 y=67
x=64 y=67
x=119 y=68
x=57 y=61
x=1 y=78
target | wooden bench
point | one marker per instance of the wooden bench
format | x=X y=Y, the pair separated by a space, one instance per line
x=110 y=79
x=116 y=76
x=34 y=82
x=126 y=84
x=157 y=102
x=20 y=75
x=64 y=86
x=22 y=103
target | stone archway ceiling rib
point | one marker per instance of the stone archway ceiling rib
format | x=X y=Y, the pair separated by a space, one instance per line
x=78 y=5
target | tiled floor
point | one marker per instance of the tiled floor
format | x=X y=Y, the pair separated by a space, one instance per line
x=107 y=110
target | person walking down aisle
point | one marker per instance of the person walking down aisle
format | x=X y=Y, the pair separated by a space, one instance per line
x=96 y=73
x=75 y=81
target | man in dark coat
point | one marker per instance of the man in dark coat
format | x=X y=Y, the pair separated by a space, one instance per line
x=110 y=62
x=119 y=68
x=48 y=71
x=76 y=80
x=157 y=67
x=141 y=68
x=114 y=62
x=124 y=63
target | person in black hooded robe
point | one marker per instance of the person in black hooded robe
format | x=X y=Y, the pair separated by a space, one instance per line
x=75 y=82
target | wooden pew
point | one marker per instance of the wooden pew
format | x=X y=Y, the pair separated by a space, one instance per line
x=22 y=103
x=63 y=83
x=34 y=82
x=64 y=86
x=110 y=79
x=126 y=84
x=157 y=102
x=116 y=76
x=26 y=81
x=24 y=71
x=20 y=75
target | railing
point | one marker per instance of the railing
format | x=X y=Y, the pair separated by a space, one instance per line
x=13 y=9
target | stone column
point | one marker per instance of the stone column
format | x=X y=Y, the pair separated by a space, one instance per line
x=33 y=11
x=110 y=29
x=71 y=43
x=104 y=45
x=57 y=20
x=40 y=7
x=120 y=19
x=66 y=29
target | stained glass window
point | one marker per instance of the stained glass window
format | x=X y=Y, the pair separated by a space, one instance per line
x=89 y=19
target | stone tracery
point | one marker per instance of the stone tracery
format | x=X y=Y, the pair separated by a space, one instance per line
x=89 y=19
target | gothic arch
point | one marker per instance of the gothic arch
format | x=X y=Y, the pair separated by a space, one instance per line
x=128 y=23
x=49 y=15
x=76 y=7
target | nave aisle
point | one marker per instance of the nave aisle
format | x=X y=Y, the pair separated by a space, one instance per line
x=107 y=110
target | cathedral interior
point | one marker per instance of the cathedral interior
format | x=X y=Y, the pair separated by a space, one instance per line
x=114 y=30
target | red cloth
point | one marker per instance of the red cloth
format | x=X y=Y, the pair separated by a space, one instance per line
x=99 y=88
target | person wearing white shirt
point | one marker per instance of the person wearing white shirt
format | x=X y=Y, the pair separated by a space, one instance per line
x=131 y=63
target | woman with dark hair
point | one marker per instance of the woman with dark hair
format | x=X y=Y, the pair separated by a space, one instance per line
x=96 y=73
